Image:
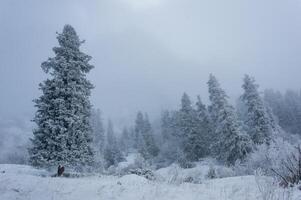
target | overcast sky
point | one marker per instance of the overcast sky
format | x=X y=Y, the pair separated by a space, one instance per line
x=148 y=52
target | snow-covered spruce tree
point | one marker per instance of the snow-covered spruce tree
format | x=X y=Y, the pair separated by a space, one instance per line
x=231 y=142
x=204 y=127
x=63 y=132
x=112 y=153
x=145 y=142
x=260 y=126
x=188 y=124
x=98 y=133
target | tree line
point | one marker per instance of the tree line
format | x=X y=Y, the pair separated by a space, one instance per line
x=69 y=132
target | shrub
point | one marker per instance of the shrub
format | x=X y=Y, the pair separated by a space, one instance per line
x=211 y=173
x=290 y=169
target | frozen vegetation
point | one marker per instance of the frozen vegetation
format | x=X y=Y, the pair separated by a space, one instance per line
x=173 y=182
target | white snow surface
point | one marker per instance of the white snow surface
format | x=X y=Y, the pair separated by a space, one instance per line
x=26 y=183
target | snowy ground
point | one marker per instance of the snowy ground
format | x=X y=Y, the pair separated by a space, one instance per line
x=24 y=182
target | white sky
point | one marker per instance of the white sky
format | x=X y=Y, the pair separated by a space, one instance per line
x=148 y=52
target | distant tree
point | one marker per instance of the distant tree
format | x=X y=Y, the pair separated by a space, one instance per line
x=139 y=131
x=98 y=133
x=112 y=153
x=149 y=140
x=170 y=146
x=166 y=125
x=188 y=125
x=63 y=132
x=287 y=109
x=231 y=142
x=204 y=127
x=275 y=100
x=125 y=141
x=145 y=142
x=293 y=106
x=260 y=127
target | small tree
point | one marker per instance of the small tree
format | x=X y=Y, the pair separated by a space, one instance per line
x=125 y=141
x=112 y=152
x=151 y=146
x=145 y=142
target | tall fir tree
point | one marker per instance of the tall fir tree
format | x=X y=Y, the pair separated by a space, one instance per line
x=188 y=125
x=231 y=142
x=112 y=153
x=260 y=127
x=63 y=132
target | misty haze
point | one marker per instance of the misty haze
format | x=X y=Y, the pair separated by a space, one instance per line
x=150 y=99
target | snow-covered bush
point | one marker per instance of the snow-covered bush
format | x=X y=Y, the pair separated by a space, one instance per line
x=135 y=165
x=224 y=172
x=146 y=173
x=174 y=174
x=290 y=169
x=215 y=170
x=265 y=157
x=269 y=189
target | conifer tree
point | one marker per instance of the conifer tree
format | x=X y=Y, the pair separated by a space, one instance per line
x=125 y=141
x=260 y=127
x=98 y=133
x=63 y=132
x=139 y=131
x=112 y=153
x=145 y=142
x=187 y=122
x=293 y=106
x=169 y=149
x=286 y=108
x=166 y=125
x=231 y=142
x=204 y=128
x=150 y=143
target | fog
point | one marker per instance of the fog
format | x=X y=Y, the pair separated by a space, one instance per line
x=148 y=52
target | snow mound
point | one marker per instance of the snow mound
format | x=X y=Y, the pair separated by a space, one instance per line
x=21 y=170
x=132 y=179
